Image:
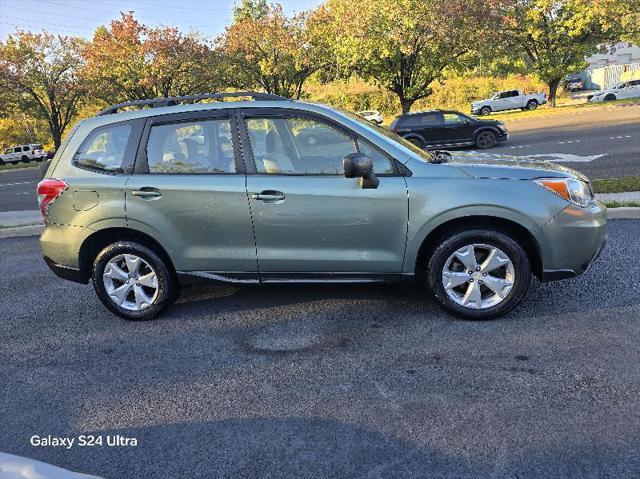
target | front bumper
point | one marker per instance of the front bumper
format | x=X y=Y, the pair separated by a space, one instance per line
x=575 y=237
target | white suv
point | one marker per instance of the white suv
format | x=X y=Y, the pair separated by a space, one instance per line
x=620 y=91
x=24 y=153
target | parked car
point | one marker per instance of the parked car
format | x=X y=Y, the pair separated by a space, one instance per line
x=620 y=91
x=372 y=115
x=132 y=204
x=24 y=153
x=574 y=84
x=444 y=128
x=508 y=100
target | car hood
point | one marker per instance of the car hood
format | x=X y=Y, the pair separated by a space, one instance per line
x=480 y=101
x=510 y=167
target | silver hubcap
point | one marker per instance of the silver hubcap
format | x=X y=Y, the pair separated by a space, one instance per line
x=478 y=276
x=130 y=282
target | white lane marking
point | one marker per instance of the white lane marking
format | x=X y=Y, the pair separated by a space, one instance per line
x=24 y=193
x=565 y=157
x=19 y=183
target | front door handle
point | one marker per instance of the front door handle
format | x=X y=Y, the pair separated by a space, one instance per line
x=146 y=192
x=268 y=196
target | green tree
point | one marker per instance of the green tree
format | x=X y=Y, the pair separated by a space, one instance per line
x=250 y=9
x=405 y=45
x=555 y=36
x=41 y=75
x=273 y=52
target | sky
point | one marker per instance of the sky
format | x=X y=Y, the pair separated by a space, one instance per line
x=81 y=17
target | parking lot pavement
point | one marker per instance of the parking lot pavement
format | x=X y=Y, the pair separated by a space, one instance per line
x=327 y=381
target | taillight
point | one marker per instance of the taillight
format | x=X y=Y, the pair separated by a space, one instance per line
x=49 y=190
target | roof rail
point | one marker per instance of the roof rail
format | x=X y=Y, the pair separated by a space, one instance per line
x=174 y=100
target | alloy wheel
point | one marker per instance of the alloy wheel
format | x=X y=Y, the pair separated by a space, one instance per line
x=486 y=139
x=130 y=282
x=478 y=276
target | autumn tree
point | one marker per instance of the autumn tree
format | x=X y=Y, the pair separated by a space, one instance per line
x=405 y=45
x=40 y=75
x=555 y=36
x=271 y=51
x=131 y=61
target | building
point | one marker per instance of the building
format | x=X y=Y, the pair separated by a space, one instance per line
x=618 y=54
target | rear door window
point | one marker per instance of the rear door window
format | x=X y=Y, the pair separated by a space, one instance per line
x=104 y=148
x=421 y=120
x=194 y=147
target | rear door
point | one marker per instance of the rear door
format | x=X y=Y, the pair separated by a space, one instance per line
x=309 y=219
x=188 y=191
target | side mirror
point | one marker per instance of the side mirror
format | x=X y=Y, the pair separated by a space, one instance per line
x=359 y=165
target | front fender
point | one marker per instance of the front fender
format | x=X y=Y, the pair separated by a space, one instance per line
x=434 y=202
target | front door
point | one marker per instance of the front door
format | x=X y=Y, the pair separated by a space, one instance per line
x=188 y=191
x=458 y=129
x=308 y=218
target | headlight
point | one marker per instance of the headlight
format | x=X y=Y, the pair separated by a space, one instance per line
x=570 y=189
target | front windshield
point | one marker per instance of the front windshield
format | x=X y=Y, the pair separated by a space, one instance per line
x=496 y=96
x=422 y=154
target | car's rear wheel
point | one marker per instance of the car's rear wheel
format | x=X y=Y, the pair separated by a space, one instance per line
x=478 y=274
x=486 y=139
x=416 y=141
x=610 y=97
x=25 y=159
x=133 y=281
x=485 y=110
x=532 y=105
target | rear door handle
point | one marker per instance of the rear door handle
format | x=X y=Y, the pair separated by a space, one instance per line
x=146 y=192
x=268 y=196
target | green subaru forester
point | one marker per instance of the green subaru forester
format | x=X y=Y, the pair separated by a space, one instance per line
x=264 y=189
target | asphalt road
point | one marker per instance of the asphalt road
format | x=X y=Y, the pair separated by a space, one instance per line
x=602 y=142
x=332 y=381
x=18 y=189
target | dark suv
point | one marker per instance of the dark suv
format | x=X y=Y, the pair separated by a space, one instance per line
x=438 y=128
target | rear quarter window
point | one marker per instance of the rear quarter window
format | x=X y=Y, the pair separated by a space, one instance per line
x=104 y=149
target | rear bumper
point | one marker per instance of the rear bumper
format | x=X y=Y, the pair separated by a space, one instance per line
x=66 y=272
x=577 y=237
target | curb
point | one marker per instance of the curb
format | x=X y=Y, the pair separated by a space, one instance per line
x=626 y=212
x=34 y=230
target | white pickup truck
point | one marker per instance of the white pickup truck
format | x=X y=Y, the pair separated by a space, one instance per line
x=508 y=100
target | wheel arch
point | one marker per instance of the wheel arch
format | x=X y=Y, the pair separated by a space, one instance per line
x=417 y=136
x=480 y=129
x=515 y=230
x=94 y=243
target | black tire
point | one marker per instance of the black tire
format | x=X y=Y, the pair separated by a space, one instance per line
x=416 y=141
x=486 y=139
x=485 y=110
x=448 y=246
x=25 y=159
x=167 y=290
x=532 y=105
x=610 y=97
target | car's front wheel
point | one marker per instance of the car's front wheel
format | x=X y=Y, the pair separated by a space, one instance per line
x=133 y=281
x=478 y=274
x=610 y=97
x=486 y=139
x=485 y=110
